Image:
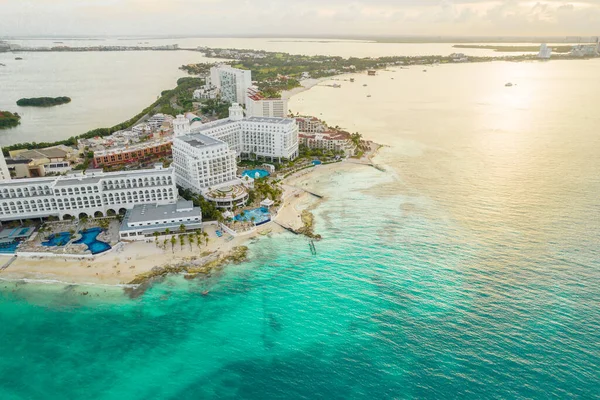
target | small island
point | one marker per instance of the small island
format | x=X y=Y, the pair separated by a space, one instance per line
x=9 y=120
x=43 y=101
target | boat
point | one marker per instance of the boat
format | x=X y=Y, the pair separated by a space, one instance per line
x=2 y=65
x=368 y=95
x=351 y=79
x=424 y=70
x=509 y=84
x=18 y=58
x=365 y=84
x=371 y=72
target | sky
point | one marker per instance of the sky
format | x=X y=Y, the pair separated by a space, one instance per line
x=300 y=17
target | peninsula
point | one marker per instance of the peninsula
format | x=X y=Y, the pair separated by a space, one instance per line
x=43 y=101
x=9 y=120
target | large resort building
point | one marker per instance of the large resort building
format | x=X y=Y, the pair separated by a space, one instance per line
x=231 y=83
x=92 y=194
x=205 y=156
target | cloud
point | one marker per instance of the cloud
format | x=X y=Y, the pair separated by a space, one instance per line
x=343 y=17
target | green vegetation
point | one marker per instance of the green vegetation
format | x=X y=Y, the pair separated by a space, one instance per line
x=183 y=85
x=43 y=101
x=9 y=120
x=216 y=107
x=209 y=211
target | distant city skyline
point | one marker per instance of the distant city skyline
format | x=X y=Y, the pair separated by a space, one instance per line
x=299 y=17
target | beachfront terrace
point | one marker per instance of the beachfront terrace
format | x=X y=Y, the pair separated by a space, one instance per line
x=227 y=196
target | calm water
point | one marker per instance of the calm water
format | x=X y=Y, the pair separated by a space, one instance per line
x=109 y=88
x=468 y=268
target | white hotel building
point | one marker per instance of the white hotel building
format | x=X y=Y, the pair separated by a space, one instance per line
x=92 y=194
x=259 y=106
x=201 y=162
x=205 y=156
x=232 y=83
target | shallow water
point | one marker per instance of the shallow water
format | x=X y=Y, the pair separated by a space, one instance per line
x=468 y=268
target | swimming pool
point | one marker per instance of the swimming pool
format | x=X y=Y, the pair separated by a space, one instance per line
x=316 y=162
x=89 y=236
x=261 y=215
x=9 y=248
x=252 y=173
x=57 y=239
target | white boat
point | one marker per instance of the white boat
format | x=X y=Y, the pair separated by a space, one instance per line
x=508 y=84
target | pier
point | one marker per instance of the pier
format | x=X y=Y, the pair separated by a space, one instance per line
x=313 y=249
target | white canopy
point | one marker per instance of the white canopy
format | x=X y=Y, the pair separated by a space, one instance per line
x=267 y=202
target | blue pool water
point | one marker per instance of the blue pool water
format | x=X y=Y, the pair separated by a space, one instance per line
x=89 y=238
x=317 y=162
x=251 y=173
x=260 y=215
x=9 y=248
x=57 y=239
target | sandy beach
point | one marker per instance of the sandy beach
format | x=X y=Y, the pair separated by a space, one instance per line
x=128 y=260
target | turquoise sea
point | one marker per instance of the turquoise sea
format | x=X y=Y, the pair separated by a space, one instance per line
x=469 y=268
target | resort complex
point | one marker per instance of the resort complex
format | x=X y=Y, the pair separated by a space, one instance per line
x=156 y=175
x=92 y=193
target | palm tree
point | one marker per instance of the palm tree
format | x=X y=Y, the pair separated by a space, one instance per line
x=205 y=237
x=167 y=231
x=181 y=241
x=253 y=219
x=182 y=228
x=173 y=241
x=156 y=238
x=191 y=239
x=198 y=239
x=165 y=243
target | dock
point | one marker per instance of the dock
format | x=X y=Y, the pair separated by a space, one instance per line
x=313 y=249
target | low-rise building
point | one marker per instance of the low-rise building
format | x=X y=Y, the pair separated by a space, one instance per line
x=257 y=105
x=140 y=152
x=310 y=124
x=41 y=162
x=206 y=92
x=142 y=221
x=337 y=141
x=585 y=50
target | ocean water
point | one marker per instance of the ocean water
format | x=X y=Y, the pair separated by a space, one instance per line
x=468 y=268
x=108 y=88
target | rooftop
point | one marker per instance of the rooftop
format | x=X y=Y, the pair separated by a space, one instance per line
x=270 y=120
x=52 y=152
x=199 y=140
x=91 y=176
x=154 y=212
